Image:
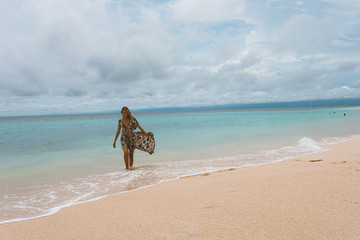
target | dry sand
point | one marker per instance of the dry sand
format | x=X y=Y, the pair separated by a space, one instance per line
x=312 y=197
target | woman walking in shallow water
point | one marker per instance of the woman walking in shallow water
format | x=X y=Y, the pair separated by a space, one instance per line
x=130 y=140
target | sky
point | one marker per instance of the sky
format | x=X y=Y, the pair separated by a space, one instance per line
x=66 y=56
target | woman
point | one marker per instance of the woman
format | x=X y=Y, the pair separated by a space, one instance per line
x=128 y=138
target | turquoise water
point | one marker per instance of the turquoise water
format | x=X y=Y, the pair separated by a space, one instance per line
x=50 y=162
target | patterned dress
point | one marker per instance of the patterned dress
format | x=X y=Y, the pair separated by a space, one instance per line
x=139 y=140
x=127 y=138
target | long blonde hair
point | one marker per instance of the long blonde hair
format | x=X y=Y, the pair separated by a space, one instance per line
x=126 y=108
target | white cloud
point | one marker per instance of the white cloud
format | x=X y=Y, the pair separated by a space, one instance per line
x=345 y=9
x=342 y=91
x=355 y=84
x=348 y=66
x=82 y=45
x=305 y=33
x=208 y=12
x=342 y=43
x=96 y=55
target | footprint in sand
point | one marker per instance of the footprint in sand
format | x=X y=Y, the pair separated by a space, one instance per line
x=315 y=160
x=338 y=162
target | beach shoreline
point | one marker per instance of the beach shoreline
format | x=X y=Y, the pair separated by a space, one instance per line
x=310 y=197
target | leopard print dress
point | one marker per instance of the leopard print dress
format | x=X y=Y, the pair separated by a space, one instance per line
x=127 y=138
x=139 y=140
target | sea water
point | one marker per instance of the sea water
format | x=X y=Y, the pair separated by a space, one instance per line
x=51 y=162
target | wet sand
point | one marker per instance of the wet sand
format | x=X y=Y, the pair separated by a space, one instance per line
x=311 y=197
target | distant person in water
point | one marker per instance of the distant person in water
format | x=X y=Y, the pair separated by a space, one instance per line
x=128 y=138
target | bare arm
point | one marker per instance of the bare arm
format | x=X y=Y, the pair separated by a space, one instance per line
x=142 y=130
x=117 y=134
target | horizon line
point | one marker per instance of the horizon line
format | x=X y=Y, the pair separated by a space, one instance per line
x=342 y=102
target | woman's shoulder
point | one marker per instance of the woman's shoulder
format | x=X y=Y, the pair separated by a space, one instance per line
x=120 y=120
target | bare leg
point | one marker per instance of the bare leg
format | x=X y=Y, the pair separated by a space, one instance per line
x=126 y=157
x=131 y=155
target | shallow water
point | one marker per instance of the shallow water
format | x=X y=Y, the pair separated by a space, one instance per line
x=50 y=162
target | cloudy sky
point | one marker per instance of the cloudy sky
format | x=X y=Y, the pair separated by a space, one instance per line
x=63 y=56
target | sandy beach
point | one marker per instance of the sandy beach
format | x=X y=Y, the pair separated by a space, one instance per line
x=310 y=197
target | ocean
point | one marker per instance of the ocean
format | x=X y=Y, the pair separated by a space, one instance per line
x=51 y=162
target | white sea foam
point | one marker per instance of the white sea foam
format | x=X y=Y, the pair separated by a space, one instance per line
x=48 y=199
x=241 y=138
x=309 y=144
